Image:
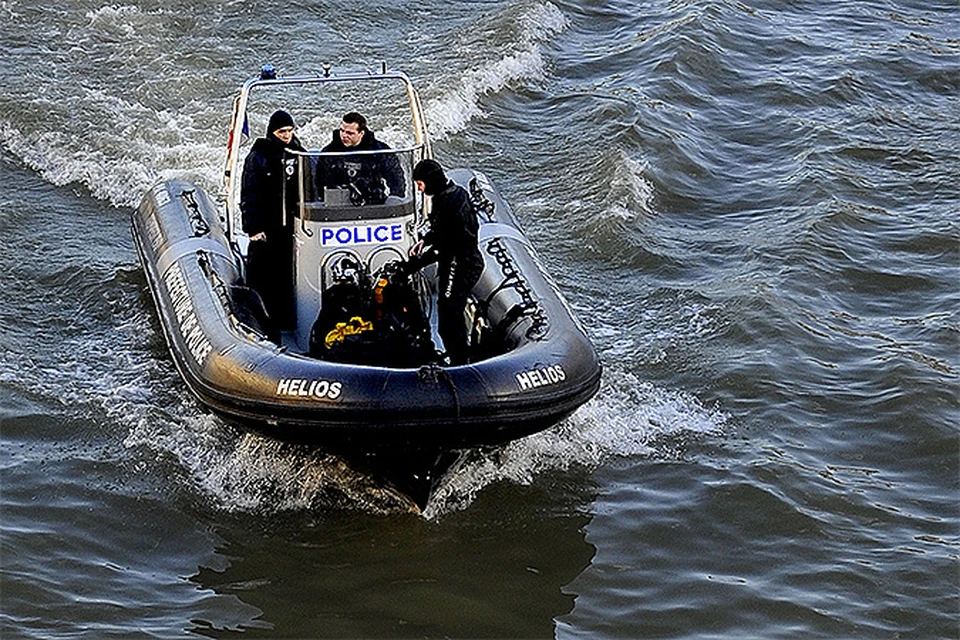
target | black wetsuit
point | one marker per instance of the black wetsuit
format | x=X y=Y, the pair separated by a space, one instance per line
x=453 y=244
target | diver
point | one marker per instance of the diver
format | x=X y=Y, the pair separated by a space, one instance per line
x=451 y=241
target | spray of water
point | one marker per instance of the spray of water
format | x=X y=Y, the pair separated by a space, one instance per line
x=628 y=418
x=516 y=62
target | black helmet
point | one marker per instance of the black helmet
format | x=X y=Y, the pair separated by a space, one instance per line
x=431 y=174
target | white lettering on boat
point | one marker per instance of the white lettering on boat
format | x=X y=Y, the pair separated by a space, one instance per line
x=190 y=329
x=161 y=194
x=303 y=388
x=541 y=377
x=361 y=234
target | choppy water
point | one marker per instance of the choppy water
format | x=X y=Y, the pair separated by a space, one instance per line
x=752 y=205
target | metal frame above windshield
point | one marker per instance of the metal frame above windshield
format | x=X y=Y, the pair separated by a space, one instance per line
x=269 y=79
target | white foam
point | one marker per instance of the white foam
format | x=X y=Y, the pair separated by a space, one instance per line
x=628 y=418
x=248 y=473
x=451 y=111
x=115 y=18
x=630 y=193
x=121 y=168
x=244 y=472
x=6 y=10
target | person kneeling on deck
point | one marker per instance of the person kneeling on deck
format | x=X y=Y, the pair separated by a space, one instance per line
x=452 y=243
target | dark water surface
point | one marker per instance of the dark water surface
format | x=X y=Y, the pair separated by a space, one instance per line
x=752 y=206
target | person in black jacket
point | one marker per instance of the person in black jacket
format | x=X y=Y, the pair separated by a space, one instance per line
x=451 y=242
x=370 y=178
x=268 y=220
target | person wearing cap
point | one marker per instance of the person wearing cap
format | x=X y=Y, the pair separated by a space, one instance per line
x=268 y=220
x=452 y=243
x=371 y=177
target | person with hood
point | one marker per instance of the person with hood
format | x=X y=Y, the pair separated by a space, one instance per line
x=451 y=241
x=370 y=178
x=268 y=220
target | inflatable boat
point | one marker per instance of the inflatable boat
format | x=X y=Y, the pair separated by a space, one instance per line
x=374 y=376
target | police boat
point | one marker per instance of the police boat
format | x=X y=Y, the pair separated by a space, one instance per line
x=362 y=366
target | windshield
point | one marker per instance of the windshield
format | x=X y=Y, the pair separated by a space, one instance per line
x=353 y=185
x=397 y=138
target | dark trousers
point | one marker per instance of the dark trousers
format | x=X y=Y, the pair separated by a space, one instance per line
x=270 y=274
x=455 y=286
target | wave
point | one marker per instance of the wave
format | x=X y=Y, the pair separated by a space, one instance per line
x=118 y=171
x=629 y=417
x=247 y=473
x=118 y=131
x=522 y=60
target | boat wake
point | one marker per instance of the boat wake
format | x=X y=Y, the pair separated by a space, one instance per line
x=243 y=472
x=630 y=418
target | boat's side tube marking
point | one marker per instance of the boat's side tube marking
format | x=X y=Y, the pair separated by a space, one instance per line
x=187 y=322
x=492 y=230
x=541 y=377
x=188 y=247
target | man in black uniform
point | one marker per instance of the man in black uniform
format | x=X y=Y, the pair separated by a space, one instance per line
x=265 y=221
x=451 y=242
x=370 y=177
